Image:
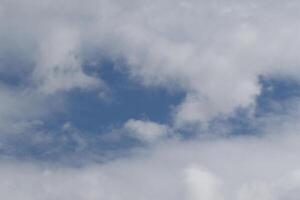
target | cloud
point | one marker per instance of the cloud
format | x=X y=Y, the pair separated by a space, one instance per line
x=201 y=184
x=145 y=131
x=264 y=168
x=58 y=66
x=215 y=51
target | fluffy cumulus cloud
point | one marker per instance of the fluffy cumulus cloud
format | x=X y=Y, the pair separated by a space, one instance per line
x=214 y=52
x=146 y=131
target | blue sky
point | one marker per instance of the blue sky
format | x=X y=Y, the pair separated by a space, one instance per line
x=143 y=100
x=126 y=100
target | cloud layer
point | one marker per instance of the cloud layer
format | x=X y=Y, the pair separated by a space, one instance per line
x=239 y=169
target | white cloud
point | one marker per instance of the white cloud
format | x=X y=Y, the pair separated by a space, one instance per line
x=244 y=168
x=213 y=50
x=202 y=185
x=58 y=66
x=145 y=131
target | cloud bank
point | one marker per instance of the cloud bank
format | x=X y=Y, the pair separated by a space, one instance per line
x=239 y=169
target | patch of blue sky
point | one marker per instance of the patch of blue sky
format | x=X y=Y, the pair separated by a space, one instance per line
x=276 y=90
x=92 y=119
x=128 y=100
x=15 y=62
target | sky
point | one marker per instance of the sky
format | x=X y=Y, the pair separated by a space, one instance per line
x=149 y=99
